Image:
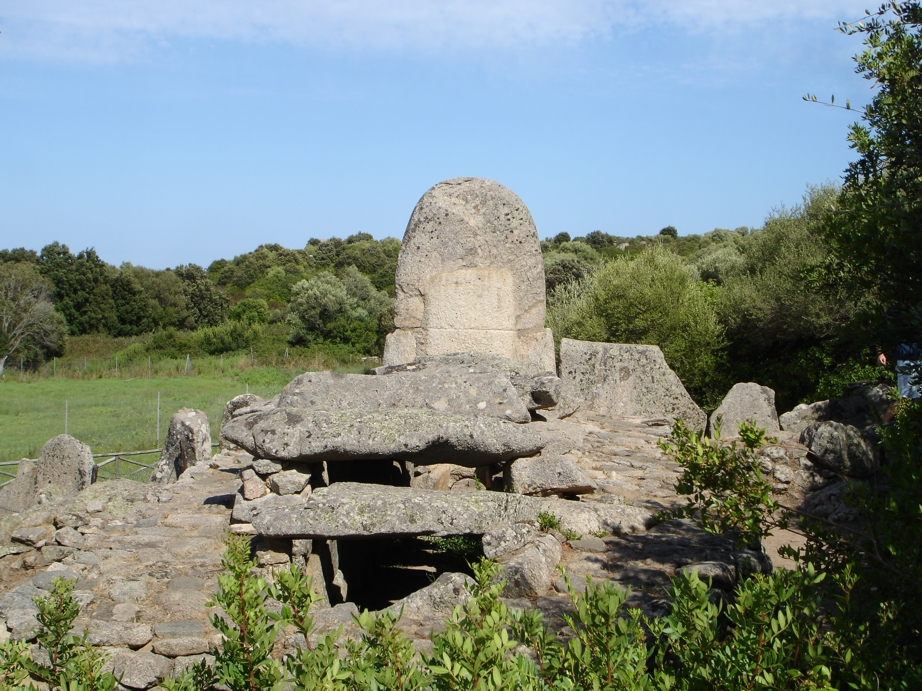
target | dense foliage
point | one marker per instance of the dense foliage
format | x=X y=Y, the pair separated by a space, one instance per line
x=876 y=231
x=655 y=299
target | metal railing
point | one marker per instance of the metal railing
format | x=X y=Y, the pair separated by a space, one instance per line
x=117 y=461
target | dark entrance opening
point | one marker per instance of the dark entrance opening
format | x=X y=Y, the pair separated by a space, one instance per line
x=383 y=570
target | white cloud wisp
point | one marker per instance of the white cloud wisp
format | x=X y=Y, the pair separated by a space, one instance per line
x=106 y=30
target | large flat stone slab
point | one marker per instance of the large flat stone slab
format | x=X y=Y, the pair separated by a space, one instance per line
x=420 y=436
x=536 y=387
x=620 y=380
x=444 y=389
x=356 y=510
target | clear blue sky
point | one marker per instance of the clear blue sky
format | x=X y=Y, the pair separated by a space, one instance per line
x=163 y=132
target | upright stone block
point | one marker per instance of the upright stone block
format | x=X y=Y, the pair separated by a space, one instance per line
x=470 y=278
x=745 y=401
x=65 y=465
x=623 y=381
x=187 y=443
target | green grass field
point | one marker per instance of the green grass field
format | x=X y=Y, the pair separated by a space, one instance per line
x=107 y=414
x=113 y=414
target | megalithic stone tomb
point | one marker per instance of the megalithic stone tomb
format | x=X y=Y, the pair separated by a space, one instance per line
x=470 y=278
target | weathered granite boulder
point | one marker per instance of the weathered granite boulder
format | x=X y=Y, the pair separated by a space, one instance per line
x=470 y=277
x=245 y=400
x=717 y=573
x=20 y=494
x=136 y=670
x=841 y=448
x=545 y=475
x=744 y=402
x=187 y=443
x=620 y=380
x=865 y=407
x=589 y=518
x=440 y=476
x=508 y=538
x=437 y=600
x=537 y=388
x=530 y=571
x=447 y=390
x=244 y=509
x=420 y=436
x=830 y=504
x=64 y=466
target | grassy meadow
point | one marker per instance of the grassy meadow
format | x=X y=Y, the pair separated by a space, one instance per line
x=119 y=413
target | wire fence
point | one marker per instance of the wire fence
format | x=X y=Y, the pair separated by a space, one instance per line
x=148 y=367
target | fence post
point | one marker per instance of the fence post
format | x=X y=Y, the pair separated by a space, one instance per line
x=188 y=364
x=116 y=366
x=116 y=468
x=84 y=363
x=54 y=370
x=148 y=366
x=251 y=356
x=158 y=419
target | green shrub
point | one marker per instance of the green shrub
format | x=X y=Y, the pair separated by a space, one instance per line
x=226 y=338
x=653 y=299
x=724 y=482
x=345 y=310
x=250 y=311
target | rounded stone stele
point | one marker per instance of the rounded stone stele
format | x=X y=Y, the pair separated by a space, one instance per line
x=470 y=277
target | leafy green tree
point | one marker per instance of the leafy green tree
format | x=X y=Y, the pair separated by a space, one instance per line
x=370 y=259
x=29 y=325
x=598 y=240
x=20 y=254
x=134 y=313
x=581 y=249
x=876 y=231
x=164 y=293
x=82 y=290
x=326 y=252
x=205 y=305
x=561 y=238
x=561 y=268
x=360 y=237
x=670 y=232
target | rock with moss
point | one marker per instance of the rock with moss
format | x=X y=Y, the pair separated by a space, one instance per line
x=420 y=436
x=356 y=510
x=538 y=388
x=447 y=390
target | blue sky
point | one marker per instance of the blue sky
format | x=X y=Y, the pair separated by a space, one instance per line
x=163 y=132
